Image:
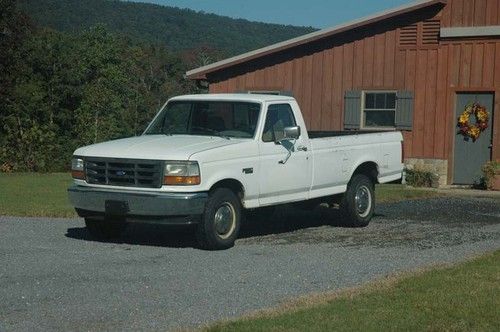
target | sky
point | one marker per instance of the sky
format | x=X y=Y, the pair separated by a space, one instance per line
x=315 y=13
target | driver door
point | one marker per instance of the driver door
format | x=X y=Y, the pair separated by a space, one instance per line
x=289 y=181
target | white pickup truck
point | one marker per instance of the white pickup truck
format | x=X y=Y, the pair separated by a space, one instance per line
x=205 y=159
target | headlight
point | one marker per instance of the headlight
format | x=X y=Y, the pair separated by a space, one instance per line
x=183 y=173
x=77 y=171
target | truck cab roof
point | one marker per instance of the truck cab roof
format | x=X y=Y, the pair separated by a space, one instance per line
x=244 y=97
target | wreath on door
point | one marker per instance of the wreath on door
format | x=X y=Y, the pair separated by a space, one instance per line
x=469 y=130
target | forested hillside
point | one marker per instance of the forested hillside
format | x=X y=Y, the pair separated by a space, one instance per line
x=59 y=91
x=177 y=29
x=73 y=73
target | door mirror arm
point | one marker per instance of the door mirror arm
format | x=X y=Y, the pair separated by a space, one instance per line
x=290 y=136
x=289 y=147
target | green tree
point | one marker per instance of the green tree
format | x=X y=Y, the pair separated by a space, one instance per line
x=102 y=113
x=69 y=90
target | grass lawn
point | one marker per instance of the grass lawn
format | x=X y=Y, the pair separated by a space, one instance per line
x=386 y=193
x=44 y=195
x=460 y=298
x=35 y=195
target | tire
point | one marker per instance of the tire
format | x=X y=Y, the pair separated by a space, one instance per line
x=220 y=223
x=358 y=203
x=105 y=229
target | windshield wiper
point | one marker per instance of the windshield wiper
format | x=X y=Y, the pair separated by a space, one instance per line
x=212 y=132
x=224 y=136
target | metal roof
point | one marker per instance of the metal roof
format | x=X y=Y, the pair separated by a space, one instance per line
x=200 y=73
x=461 y=32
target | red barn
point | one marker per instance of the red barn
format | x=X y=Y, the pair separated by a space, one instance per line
x=416 y=68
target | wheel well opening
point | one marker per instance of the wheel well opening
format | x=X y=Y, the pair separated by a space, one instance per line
x=231 y=184
x=369 y=169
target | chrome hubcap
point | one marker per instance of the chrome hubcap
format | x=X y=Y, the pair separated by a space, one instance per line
x=363 y=201
x=225 y=218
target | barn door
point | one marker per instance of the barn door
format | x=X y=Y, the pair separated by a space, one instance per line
x=469 y=155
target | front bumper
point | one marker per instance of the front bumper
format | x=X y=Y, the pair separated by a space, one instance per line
x=154 y=207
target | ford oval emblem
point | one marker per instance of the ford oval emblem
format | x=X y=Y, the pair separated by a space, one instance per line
x=121 y=173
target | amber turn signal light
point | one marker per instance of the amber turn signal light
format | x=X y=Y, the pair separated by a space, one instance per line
x=79 y=175
x=181 y=180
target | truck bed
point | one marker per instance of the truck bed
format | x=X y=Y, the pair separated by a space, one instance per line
x=324 y=134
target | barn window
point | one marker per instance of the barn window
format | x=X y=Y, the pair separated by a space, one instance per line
x=378 y=110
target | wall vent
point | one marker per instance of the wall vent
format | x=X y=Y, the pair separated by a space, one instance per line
x=430 y=32
x=420 y=35
x=408 y=36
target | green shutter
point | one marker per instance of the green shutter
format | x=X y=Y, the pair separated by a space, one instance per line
x=404 y=110
x=352 y=109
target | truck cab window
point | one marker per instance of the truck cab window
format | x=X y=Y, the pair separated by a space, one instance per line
x=177 y=120
x=207 y=118
x=279 y=116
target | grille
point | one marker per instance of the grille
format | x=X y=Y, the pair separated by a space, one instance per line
x=124 y=172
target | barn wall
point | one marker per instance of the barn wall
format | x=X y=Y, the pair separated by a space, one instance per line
x=371 y=58
x=460 y=13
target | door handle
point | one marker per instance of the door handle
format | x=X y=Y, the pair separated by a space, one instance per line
x=301 y=148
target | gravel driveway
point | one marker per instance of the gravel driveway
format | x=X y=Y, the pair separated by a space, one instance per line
x=53 y=277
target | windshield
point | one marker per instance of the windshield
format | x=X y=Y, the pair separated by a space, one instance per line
x=210 y=118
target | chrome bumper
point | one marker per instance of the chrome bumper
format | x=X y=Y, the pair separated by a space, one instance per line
x=156 y=207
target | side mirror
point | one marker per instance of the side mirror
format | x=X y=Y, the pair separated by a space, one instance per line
x=291 y=132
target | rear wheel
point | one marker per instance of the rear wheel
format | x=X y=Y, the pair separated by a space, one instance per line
x=105 y=229
x=358 y=203
x=220 y=223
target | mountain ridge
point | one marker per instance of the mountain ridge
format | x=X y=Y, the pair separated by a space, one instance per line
x=178 y=29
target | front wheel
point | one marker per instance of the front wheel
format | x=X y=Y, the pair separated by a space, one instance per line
x=358 y=203
x=105 y=229
x=220 y=223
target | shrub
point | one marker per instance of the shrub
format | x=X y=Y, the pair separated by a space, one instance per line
x=489 y=170
x=419 y=178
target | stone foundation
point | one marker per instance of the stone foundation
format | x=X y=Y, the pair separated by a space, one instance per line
x=436 y=166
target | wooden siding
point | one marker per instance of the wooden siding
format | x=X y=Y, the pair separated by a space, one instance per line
x=371 y=58
x=466 y=13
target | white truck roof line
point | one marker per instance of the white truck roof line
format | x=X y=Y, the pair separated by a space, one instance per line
x=235 y=97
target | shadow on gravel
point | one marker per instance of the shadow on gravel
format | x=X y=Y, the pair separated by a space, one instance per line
x=289 y=219
x=286 y=219
x=144 y=235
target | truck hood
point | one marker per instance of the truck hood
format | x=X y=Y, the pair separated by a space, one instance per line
x=155 y=147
